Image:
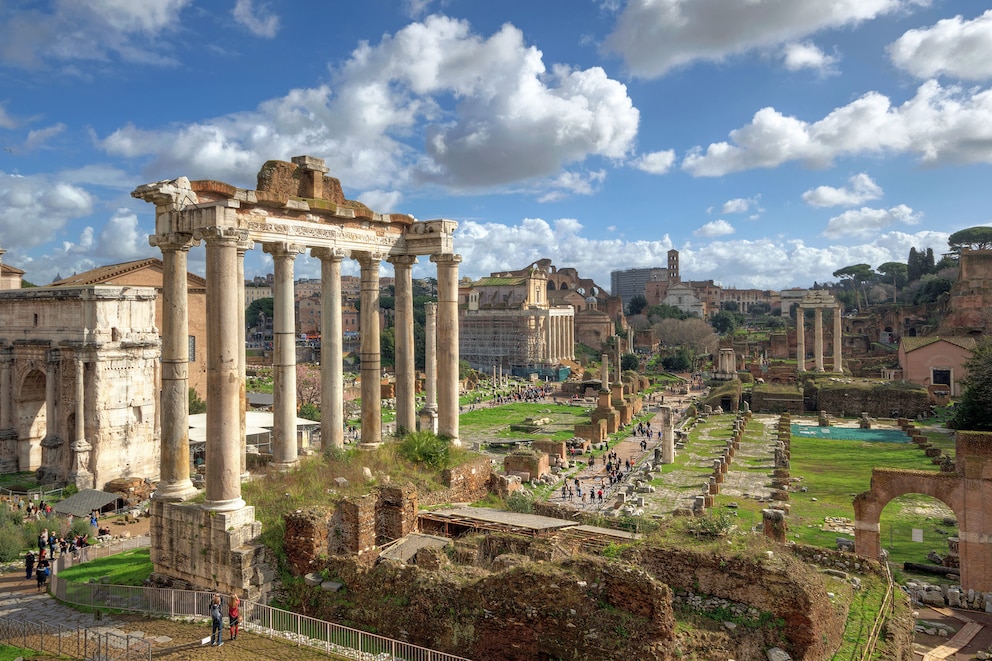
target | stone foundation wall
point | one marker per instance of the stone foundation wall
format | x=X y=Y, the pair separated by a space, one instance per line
x=594 y=432
x=200 y=549
x=395 y=513
x=534 y=464
x=551 y=448
x=466 y=483
x=352 y=526
x=880 y=401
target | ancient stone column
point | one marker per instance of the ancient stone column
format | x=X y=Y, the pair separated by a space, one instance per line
x=243 y=247
x=801 y=338
x=6 y=389
x=80 y=473
x=774 y=526
x=447 y=345
x=604 y=372
x=428 y=414
x=406 y=414
x=818 y=338
x=52 y=440
x=838 y=341
x=667 y=432
x=223 y=451
x=331 y=351
x=285 y=453
x=174 y=482
x=369 y=349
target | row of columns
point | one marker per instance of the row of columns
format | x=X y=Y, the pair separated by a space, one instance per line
x=560 y=337
x=225 y=248
x=818 y=339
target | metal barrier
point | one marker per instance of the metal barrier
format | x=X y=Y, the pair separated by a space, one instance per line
x=73 y=643
x=257 y=618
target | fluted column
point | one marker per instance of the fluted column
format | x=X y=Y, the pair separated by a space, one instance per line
x=243 y=247
x=447 y=345
x=838 y=341
x=223 y=477
x=80 y=474
x=801 y=338
x=285 y=452
x=6 y=389
x=818 y=338
x=369 y=348
x=331 y=351
x=174 y=481
x=52 y=441
x=406 y=414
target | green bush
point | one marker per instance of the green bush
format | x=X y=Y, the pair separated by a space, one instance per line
x=520 y=502
x=423 y=447
x=10 y=542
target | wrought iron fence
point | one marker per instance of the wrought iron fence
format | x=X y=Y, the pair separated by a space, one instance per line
x=73 y=643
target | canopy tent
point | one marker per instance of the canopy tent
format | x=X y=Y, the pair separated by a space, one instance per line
x=87 y=500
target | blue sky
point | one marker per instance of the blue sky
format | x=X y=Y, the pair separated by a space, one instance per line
x=771 y=142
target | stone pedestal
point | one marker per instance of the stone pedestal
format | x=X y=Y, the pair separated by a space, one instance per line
x=208 y=550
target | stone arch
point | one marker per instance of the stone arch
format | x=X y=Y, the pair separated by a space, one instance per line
x=32 y=423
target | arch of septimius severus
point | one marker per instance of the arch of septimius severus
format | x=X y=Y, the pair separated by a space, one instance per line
x=295 y=208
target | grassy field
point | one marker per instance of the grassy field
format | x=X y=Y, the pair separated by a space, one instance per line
x=496 y=422
x=128 y=568
x=833 y=472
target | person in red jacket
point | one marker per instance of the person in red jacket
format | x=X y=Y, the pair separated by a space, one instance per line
x=233 y=614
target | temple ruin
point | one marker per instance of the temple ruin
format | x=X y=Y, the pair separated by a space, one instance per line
x=295 y=208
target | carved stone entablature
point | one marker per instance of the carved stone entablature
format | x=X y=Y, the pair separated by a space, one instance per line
x=167 y=195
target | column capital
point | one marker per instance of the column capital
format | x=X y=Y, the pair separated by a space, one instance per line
x=402 y=260
x=333 y=254
x=369 y=258
x=430 y=308
x=6 y=355
x=245 y=246
x=53 y=355
x=173 y=241
x=220 y=234
x=447 y=259
x=284 y=249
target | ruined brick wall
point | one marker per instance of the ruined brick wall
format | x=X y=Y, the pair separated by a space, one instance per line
x=788 y=588
x=534 y=464
x=352 y=526
x=395 y=513
x=879 y=401
x=466 y=483
x=551 y=448
x=594 y=432
x=305 y=539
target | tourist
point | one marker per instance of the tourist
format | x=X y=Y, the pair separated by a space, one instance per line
x=42 y=541
x=29 y=564
x=216 y=621
x=44 y=568
x=233 y=612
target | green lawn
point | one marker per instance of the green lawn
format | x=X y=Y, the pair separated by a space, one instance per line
x=128 y=568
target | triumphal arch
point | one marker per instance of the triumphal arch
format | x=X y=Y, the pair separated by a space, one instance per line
x=295 y=208
x=967 y=491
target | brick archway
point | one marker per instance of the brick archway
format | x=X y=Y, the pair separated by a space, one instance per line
x=965 y=491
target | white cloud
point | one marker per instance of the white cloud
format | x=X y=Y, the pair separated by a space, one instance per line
x=860 y=188
x=865 y=222
x=6 y=121
x=487 y=109
x=654 y=36
x=955 y=47
x=92 y=30
x=416 y=8
x=941 y=125
x=740 y=204
x=572 y=183
x=382 y=201
x=34 y=208
x=656 y=162
x=805 y=55
x=763 y=263
x=120 y=240
x=257 y=20
x=39 y=137
x=715 y=228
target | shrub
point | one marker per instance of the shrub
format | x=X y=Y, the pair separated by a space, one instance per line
x=423 y=447
x=10 y=542
x=520 y=502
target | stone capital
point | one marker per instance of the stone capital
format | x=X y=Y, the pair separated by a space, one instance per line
x=221 y=235
x=430 y=309
x=284 y=249
x=368 y=258
x=447 y=260
x=173 y=195
x=53 y=356
x=402 y=260
x=245 y=246
x=333 y=254
x=172 y=241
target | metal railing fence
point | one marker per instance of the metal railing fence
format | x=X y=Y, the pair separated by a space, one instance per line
x=256 y=618
x=73 y=643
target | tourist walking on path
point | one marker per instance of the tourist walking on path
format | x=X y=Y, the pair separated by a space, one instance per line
x=233 y=613
x=216 y=621
x=29 y=564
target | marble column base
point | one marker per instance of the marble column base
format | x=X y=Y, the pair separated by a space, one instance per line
x=209 y=550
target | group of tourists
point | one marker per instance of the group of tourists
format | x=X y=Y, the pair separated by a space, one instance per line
x=217 y=618
x=58 y=545
x=42 y=571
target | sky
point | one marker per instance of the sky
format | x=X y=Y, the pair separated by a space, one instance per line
x=771 y=142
